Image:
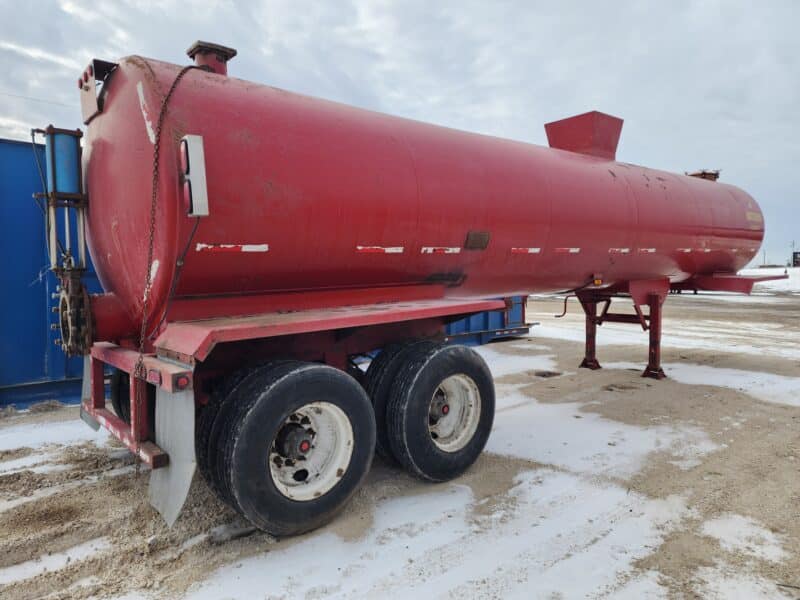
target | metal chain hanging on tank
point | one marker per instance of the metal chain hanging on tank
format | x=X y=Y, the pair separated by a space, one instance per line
x=139 y=370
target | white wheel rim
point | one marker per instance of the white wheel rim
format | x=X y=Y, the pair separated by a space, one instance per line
x=454 y=413
x=324 y=430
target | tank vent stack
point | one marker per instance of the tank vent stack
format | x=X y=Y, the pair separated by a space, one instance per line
x=211 y=56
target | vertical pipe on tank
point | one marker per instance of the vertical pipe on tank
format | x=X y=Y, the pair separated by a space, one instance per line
x=212 y=57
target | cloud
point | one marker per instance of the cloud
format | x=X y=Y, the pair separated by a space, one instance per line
x=37 y=54
x=700 y=84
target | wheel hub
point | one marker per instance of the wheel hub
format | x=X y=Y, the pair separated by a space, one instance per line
x=294 y=441
x=454 y=413
x=311 y=451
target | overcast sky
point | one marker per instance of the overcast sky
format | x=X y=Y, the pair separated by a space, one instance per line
x=711 y=84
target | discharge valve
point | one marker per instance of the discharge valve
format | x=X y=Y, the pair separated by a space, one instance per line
x=65 y=216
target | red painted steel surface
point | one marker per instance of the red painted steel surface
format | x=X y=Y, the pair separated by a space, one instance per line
x=310 y=195
x=171 y=377
x=133 y=435
x=197 y=338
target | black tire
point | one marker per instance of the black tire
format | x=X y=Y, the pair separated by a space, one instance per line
x=381 y=375
x=120 y=395
x=408 y=410
x=220 y=430
x=120 y=388
x=262 y=403
x=208 y=415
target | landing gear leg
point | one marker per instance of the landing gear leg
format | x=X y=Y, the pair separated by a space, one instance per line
x=590 y=360
x=653 y=369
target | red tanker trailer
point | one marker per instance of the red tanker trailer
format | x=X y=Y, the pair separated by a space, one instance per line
x=252 y=242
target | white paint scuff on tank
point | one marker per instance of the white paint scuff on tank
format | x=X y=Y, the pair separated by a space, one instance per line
x=201 y=247
x=440 y=250
x=143 y=106
x=154 y=270
x=380 y=249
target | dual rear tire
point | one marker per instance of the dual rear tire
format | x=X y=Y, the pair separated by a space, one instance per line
x=434 y=408
x=288 y=443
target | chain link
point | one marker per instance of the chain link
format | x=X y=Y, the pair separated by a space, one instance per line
x=139 y=370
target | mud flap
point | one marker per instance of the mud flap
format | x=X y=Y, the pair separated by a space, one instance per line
x=86 y=393
x=169 y=486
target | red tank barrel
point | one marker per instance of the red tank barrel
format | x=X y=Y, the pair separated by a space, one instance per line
x=305 y=194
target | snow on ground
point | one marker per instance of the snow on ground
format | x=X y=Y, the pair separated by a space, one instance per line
x=506 y=364
x=768 y=387
x=572 y=516
x=725 y=582
x=60 y=488
x=584 y=442
x=567 y=525
x=551 y=526
x=754 y=298
x=792 y=284
x=33 y=435
x=728 y=336
x=26 y=462
x=54 y=561
x=738 y=533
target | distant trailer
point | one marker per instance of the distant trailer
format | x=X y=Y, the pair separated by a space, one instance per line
x=489 y=325
x=796 y=259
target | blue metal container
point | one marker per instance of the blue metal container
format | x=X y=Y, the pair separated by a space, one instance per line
x=32 y=367
x=490 y=325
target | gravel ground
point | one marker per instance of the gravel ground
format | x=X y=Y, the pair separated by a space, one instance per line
x=594 y=484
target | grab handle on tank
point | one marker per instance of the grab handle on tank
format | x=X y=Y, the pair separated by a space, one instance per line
x=193 y=176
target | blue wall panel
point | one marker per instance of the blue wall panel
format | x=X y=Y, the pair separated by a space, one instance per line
x=32 y=367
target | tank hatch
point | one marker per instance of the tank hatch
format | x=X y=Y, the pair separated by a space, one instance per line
x=593 y=133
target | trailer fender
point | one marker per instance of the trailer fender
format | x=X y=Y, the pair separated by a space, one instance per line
x=169 y=486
